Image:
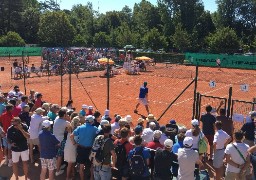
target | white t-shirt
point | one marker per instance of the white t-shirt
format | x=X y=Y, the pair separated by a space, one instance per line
x=195 y=138
x=59 y=127
x=35 y=125
x=231 y=150
x=220 y=138
x=114 y=126
x=187 y=159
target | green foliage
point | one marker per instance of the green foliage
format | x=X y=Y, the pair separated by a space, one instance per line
x=11 y=39
x=154 y=40
x=79 y=41
x=223 y=40
x=181 y=39
x=55 y=29
x=101 y=39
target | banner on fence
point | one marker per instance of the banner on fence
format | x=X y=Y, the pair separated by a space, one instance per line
x=227 y=61
x=17 y=51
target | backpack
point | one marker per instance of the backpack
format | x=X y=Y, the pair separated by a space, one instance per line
x=202 y=145
x=98 y=149
x=137 y=164
x=121 y=154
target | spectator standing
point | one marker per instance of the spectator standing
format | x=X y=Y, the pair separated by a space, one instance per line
x=2 y=104
x=24 y=101
x=97 y=119
x=103 y=170
x=70 y=149
x=249 y=130
x=59 y=128
x=90 y=110
x=163 y=136
x=163 y=161
x=53 y=113
x=16 y=109
x=179 y=143
x=34 y=129
x=152 y=118
x=148 y=133
x=115 y=125
x=237 y=158
x=221 y=139
x=143 y=153
x=155 y=144
x=5 y=120
x=85 y=134
x=227 y=124
x=15 y=93
x=83 y=110
x=38 y=101
x=208 y=121
x=122 y=163
x=187 y=158
x=25 y=115
x=17 y=135
x=48 y=144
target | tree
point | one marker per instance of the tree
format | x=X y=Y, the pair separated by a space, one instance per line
x=154 y=40
x=223 y=40
x=101 y=39
x=55 y=29
x=49 y=5
x=12 y=39
x=181 y=39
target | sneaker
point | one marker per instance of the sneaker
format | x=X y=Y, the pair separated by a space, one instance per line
x=59 y=172
x=135 y=111
x=10 y=163
x=62 y=166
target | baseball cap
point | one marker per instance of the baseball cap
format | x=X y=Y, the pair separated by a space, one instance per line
x=90 y=118
x=157 y=134
x=104 y=122
x=47 y=123
x=118 y=117
x=172 y=121
x=128 y=118
x=90 y=107
x=106 y=112
x=39 y=110
x=84 y=106
x=188 y=142
x=195 y=122
x=252 y=114
x=138 y=129
x=168 y=143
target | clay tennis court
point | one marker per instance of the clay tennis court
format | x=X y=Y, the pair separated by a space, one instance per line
x=165 y=83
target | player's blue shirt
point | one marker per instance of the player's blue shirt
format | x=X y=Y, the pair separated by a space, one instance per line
x=143 y=92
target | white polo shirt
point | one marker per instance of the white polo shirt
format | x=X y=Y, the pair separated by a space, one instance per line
x=231 y=150
x=220 y=137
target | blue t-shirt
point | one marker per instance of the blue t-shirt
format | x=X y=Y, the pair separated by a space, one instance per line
x=82 y=113
x=143 y=92
x=48 y=144
x=86 y=134
x=176 y=146
x=146 y=155
x=2 y=108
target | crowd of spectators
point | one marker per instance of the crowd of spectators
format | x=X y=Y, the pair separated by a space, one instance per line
x=86 y=140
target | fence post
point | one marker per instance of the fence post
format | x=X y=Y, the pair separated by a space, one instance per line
x=108 y=84
x=197 y=105
x=24 y=74
x=195 y=88
x=61 y=80
x=253 y=105
x=229 y=101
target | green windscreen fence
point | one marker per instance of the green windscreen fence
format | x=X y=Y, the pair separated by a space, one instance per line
x=19 y=51
x=227 y=61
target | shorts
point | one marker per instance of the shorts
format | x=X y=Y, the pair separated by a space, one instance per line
x=49 y=164
x=61 y=148
x=34 y=141
x=210 y=139
x=218 y=158
x=102 y=172
x=143 y=101
x=83 y=156
x=5 y=143
x=16 y=156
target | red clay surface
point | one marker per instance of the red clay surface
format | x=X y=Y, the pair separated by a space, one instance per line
x=164 y=83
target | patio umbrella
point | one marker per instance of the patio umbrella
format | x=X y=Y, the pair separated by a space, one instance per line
x=105 y=61
x=143 y=58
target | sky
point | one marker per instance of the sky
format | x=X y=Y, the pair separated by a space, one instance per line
x=110 y=5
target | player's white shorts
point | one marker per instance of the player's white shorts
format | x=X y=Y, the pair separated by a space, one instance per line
x=143 y=101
